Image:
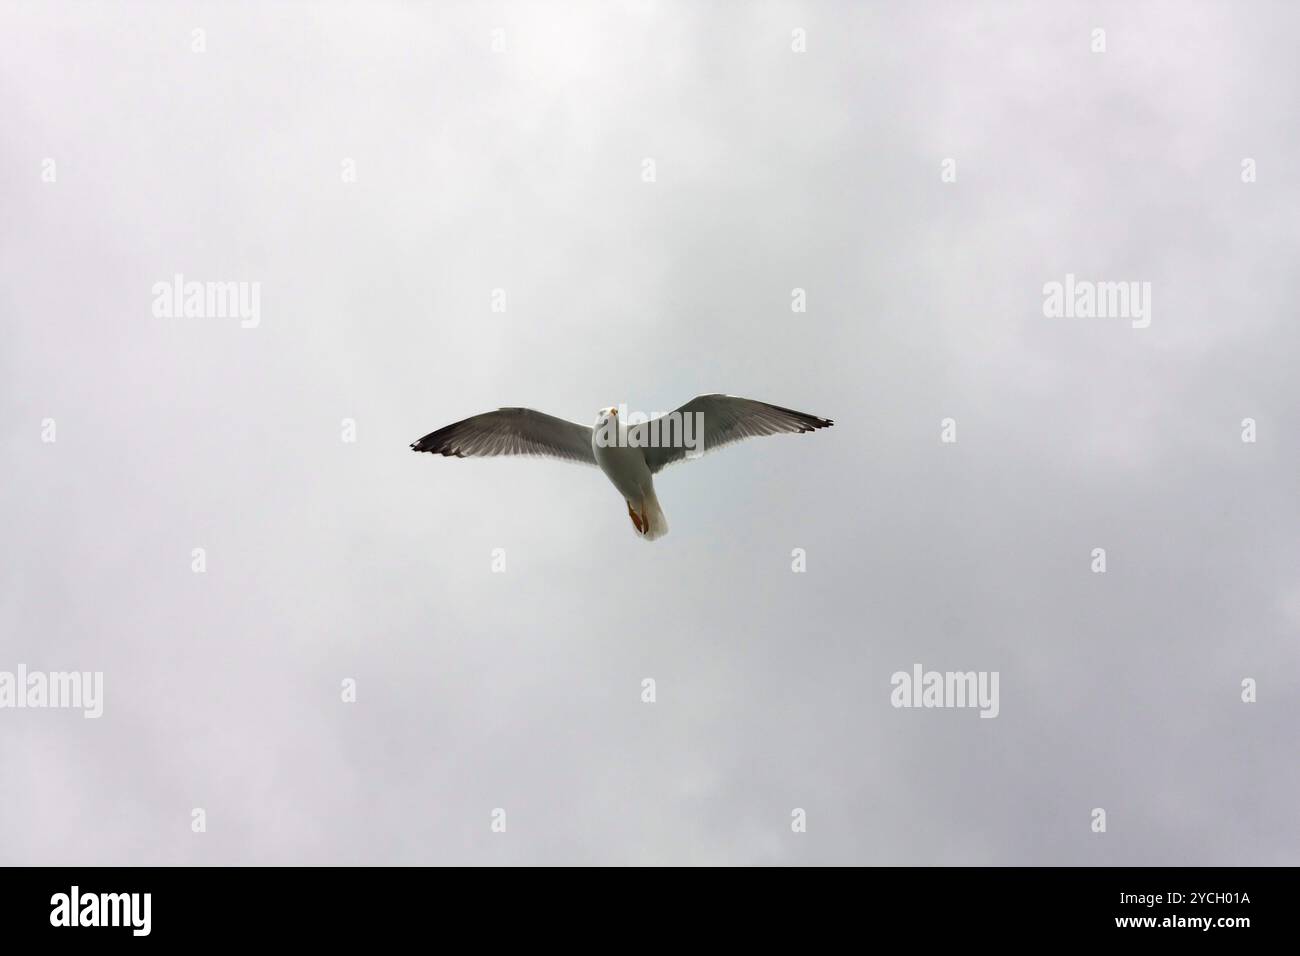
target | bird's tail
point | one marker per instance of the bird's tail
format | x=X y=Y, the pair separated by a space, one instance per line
x=648 y=518
x=654 y=517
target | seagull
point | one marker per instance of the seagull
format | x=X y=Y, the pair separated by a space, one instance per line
x=629 y=453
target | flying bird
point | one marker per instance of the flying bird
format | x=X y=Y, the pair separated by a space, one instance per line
x=630 y=455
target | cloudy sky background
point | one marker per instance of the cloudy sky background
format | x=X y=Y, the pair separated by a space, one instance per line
x=522 y=170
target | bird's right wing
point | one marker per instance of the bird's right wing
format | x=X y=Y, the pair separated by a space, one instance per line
x=511 y=431
x=726 y=419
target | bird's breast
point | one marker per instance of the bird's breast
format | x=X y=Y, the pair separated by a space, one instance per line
x=625 y=468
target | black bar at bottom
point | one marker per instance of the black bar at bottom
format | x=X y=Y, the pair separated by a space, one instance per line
x=213 y=905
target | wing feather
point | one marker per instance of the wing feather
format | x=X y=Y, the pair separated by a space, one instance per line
x=511 y=431
x=728 y=419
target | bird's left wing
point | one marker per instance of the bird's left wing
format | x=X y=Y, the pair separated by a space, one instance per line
x=725 y=419
x=511 y=431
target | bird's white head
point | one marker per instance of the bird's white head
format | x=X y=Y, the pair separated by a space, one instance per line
x=606 y=431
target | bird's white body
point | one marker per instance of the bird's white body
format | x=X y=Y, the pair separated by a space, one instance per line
x=627 y=471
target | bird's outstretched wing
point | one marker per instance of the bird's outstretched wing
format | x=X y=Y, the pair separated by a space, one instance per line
x=511 y=431
x=727 y=419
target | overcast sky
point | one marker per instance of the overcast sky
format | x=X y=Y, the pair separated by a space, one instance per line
x=523 y=169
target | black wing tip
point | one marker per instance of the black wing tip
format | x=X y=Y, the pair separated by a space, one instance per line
x=809 y=423
x=432 y=450
x=435 y=444
x=815 y=423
